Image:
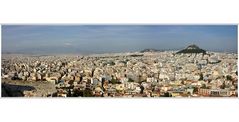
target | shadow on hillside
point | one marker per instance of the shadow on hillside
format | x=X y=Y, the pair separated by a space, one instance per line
x=11 y=90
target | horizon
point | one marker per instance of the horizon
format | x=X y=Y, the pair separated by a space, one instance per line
x=98 y=39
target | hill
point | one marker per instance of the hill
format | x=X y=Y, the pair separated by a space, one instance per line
x=192 y=49
x=149 y=50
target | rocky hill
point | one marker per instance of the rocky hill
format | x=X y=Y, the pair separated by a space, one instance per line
x=192 y=49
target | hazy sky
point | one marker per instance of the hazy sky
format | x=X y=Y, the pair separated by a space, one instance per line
x=115 y=38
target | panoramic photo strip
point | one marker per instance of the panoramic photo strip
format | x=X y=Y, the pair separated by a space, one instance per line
x=121 y=61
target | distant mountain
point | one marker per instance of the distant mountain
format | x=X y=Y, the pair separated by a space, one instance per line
x=192 y=49
x=149 y=50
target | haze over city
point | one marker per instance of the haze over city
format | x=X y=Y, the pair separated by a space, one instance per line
x=45 y=39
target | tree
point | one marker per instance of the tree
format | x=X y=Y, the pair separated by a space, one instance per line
x=142 y=89
x=113 y=81
x=77 y=93
x=223 y=86
x=87 y=93
x=69 y=93
x=204 y=86
x=183 y=82
x=195 y=90
x=130 y=80
x=167 y=94
x=229 y=77
x=201 y=76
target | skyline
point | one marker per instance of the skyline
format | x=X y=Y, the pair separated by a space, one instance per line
x=45 y=39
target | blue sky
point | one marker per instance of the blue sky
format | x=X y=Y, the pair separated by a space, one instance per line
x=46 y=39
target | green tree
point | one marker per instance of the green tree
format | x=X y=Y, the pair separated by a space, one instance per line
x=113 y=81
x=130 y=80
x=229 y=77
x=87 y=93
x=204 y=86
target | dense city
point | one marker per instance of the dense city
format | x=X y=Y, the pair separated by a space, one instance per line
x=134 y=74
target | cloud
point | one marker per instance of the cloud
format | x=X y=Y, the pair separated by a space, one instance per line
x=68 y=44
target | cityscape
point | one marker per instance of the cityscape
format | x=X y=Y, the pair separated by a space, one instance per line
x=91 y=61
